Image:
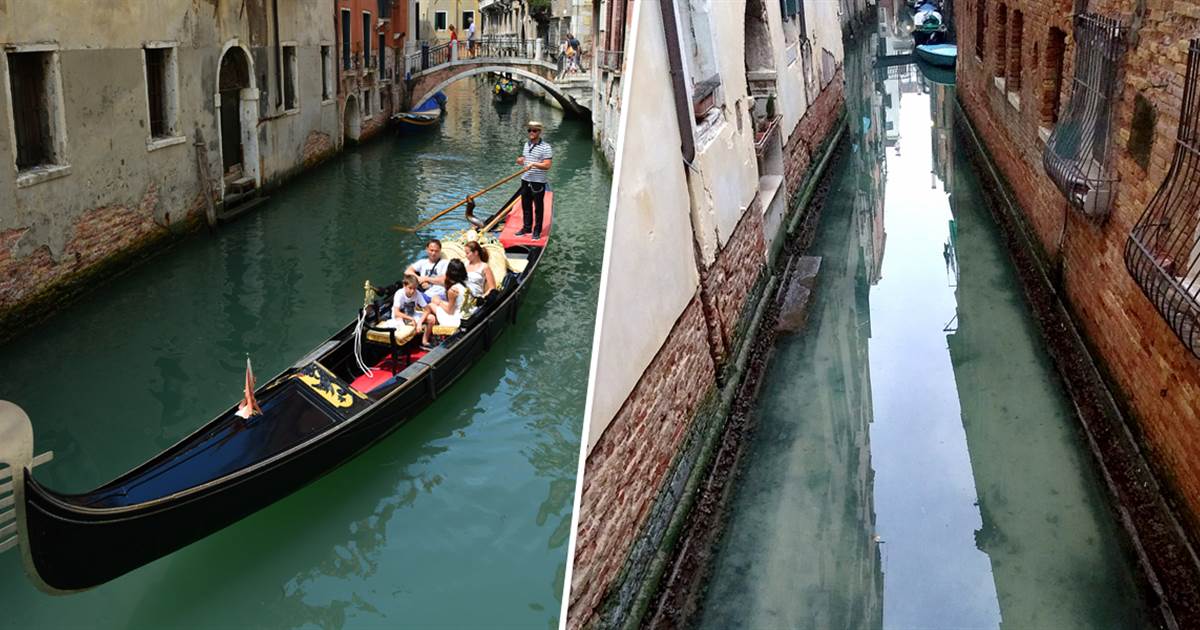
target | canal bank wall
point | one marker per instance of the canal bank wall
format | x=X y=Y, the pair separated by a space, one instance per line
x=1154 y=376
x=672 y=341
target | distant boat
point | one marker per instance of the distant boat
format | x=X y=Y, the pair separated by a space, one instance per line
x=425 y=115
x=928 y=26
x=504 y=90
x=940 y=55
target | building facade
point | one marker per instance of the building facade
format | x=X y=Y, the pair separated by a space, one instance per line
x=1105 y=181
x=128 y=120
x=611 y=26
x=372 y=37
x=705 y=182
x=435 y=17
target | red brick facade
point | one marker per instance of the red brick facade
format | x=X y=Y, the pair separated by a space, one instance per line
x=629 y=464
x=812 y=131
x=731 y=276
x=1158 y=378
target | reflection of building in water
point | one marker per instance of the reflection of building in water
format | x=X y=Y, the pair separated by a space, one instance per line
x=894 y=41
x=941 y=112
x=866 y=115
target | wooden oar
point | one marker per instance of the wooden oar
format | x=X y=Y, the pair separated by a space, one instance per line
x=439 y=215
x=491 y=225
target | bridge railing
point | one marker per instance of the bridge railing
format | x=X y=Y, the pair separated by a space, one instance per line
x=428 y=57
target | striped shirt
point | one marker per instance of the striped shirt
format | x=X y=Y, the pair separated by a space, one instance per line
x=535 y=153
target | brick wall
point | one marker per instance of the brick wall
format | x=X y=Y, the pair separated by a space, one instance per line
x=1157 y=377
x=812 y=131
x=629 y=464
x=733 y=274
x=100 y=236
x=317 y=147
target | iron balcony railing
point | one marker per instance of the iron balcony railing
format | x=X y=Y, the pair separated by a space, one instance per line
x=762 y=137
x=1076 y=156
x=1163 y=250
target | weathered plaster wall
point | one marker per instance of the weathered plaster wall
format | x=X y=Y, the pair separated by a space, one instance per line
x=115 y=169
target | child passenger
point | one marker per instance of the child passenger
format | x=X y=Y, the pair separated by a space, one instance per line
x=409 y=301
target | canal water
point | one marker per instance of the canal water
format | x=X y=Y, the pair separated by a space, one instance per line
x=460 y=518
x=915 y=461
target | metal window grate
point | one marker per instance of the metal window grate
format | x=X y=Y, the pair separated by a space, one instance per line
x=1077 y=153
x=1163 y=250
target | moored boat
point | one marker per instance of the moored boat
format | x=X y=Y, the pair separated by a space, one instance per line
x=939 y=55
x=320 y=412
x=505 y=90
x=425 y=115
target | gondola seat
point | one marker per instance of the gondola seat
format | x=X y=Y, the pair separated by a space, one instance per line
x=382 y=332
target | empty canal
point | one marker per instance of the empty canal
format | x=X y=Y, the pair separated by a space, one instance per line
x=460 y=518
x=915 y=462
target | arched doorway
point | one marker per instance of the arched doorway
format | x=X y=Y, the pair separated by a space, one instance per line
x=237 y=120
x=351 y=121
x=234 y=77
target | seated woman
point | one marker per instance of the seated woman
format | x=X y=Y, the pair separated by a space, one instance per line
x=447 y=312
x=479 y=276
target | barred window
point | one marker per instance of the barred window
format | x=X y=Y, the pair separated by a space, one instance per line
x=1052 y=70
x=1163 y=250
x=1077 y=153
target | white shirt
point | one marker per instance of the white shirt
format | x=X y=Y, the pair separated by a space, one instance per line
x=426 y=269
x=402 y=303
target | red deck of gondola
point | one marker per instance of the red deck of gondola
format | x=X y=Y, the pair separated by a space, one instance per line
x=512 y=224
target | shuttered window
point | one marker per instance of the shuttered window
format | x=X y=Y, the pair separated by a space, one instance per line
x=31 y=115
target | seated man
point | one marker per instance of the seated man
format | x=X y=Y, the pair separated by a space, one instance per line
x=431 y=270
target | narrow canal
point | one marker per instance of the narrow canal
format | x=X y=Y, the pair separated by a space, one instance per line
x=460 y=518
x=916 y=463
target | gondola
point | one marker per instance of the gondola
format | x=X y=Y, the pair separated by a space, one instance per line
x=314 y=416
x=505 y=90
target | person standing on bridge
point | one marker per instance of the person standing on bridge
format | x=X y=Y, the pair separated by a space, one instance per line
x=471 y=37
x=535 y=157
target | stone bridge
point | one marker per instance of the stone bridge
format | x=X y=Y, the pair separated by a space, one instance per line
x=573 y=93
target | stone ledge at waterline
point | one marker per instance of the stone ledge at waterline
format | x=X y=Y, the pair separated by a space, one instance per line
x=798 y=291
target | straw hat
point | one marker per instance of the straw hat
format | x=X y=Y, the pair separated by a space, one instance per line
x=533 y=124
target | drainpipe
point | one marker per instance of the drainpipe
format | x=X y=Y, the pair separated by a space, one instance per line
x=278 y=56
x=675 y=62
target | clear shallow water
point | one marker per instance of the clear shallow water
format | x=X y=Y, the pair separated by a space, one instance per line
x=915 y=462
x=460 y=518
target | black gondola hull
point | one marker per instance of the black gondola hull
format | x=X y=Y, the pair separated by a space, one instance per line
x=71 y=547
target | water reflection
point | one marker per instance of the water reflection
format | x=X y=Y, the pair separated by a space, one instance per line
x=915 y=462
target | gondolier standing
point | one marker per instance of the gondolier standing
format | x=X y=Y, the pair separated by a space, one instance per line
x=535 y=157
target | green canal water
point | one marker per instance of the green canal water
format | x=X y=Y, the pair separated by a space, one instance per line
x=916 y=463
x=458 y=519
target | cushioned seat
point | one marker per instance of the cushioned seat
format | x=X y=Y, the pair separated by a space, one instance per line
x=404 y=332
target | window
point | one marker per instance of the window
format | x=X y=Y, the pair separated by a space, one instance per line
x=467 y=18
x=382 y=59
x=1052 y=70
x=1016 y=35
x=1163 y=250
x=439 y=20
x=980 y=28
x=367 y=102
x=700 y=58
x=385 y=9
x=162 y=87
x=1000 y=65
x=346 y=39
x=37 y=108
x=366 y=36
x=1076 y=154
x=326 y=73
x=290 y=102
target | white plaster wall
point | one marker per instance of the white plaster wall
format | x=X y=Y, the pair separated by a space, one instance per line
x=726 y=176
x=649 y=270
